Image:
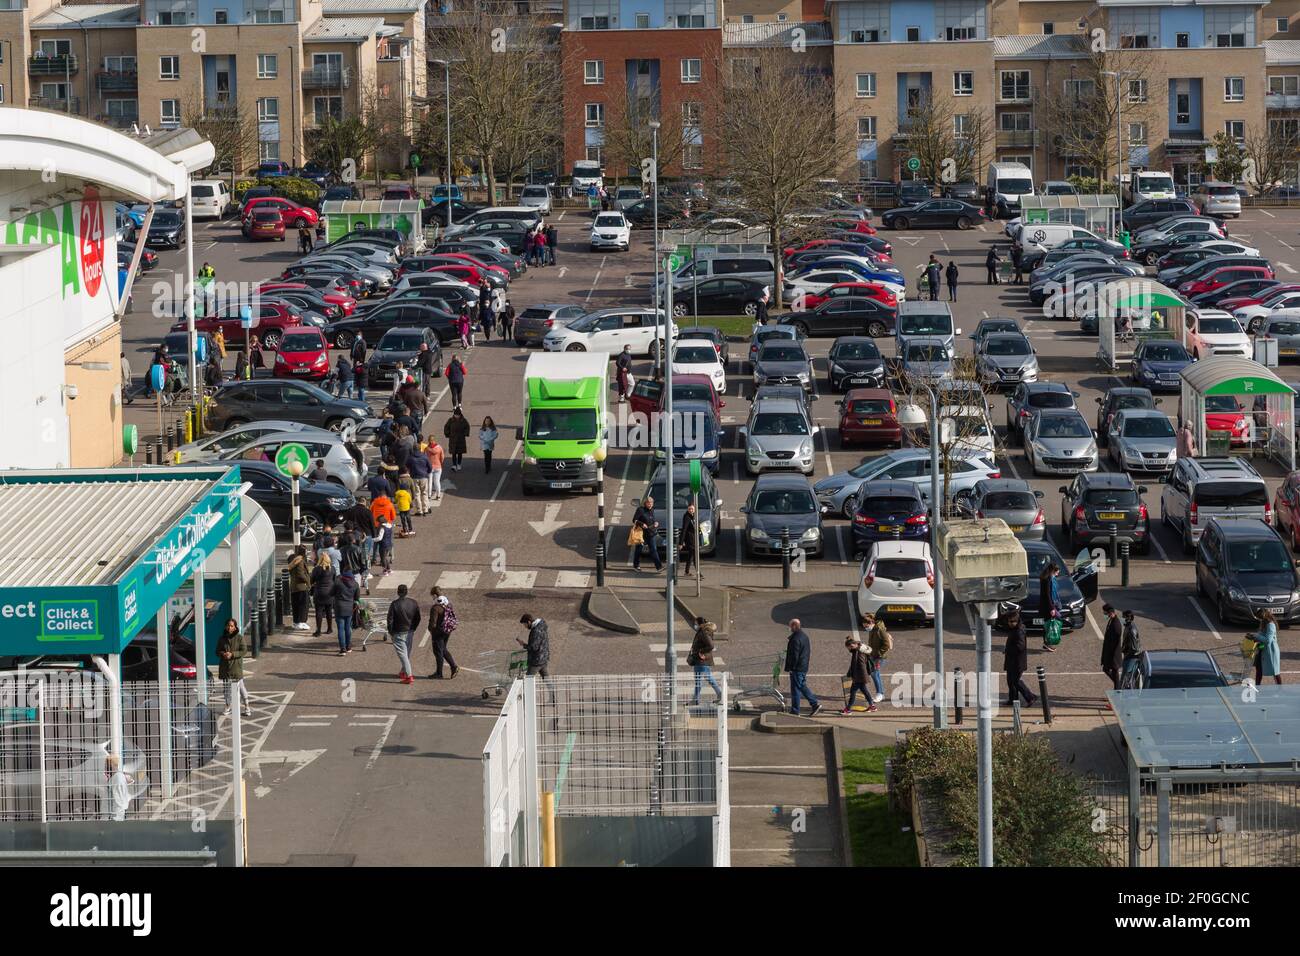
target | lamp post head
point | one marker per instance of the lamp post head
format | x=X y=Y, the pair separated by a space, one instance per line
x=295 y=469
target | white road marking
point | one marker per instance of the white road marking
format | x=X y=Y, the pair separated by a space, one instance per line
x=502 y=480
x=1092 y=621
x=308 y=723
x=596 y=281
x=839 y=543
x=572 y=579
x=1204 y=617
x=389 y=582
x=1151 y=536
x=826 y=447
x=1267 y=213
x=1287 y=267
x=563 y=270
x=473 y=539
x=458 y=580
x=517 y=580
x=379 y=744
x=1012 y=465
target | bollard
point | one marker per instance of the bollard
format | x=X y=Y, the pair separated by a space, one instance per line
x=158 y=451
x=785 y=558
x=189 y=423
x=1124 y=550
x=252 y=631
x=272 y=610
x=180 y=431
x=282 y=599
x=263 y=619
x=1042 y=694
x=1114 y=548
x=958 y=695
x=148 y=454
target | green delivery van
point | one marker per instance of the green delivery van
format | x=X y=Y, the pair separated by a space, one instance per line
x=566 y=401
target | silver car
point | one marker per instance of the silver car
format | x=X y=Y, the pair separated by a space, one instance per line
x=1286 y=329
x=1058 y=441
x=627 y=196
x=537 y=197
x=839 y=492
x=925 y=361
x=1142 y=440
x=1006 y=358
x=213 y=447
x=1010 y=499
x=340 y=466
x=778 y=436
x=532 y=324
x=783 y=363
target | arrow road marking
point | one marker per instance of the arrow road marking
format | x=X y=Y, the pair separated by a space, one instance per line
x=299 y=758
x=551 y=524
x=563 y=270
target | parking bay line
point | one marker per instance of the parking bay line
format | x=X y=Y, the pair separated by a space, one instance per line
x=1287 y=267
x=596 y=280
x=473 y=539
x=1204 y=617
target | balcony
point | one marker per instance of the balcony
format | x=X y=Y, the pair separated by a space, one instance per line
x=326 y=78
x=112 y=82
x=1282 y=101
x=1014 y=97
x=1027 y=138
x=52 y=65
x=60 y=104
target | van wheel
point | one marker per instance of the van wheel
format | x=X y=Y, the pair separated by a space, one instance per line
x=963 y=222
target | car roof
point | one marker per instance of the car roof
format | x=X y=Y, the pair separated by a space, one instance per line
x=855 y=393
x=852 y=339
x=797 y=343
x=1045 y=386
x=1107 y=479
x=1059 y=413
x=779 y=480
x=681 y=469
x=1244 y=528
x=889 y=548
x=769 y=404
x=1119 y=390
x=404 y=329
x=1181 y=661
x=987 y=485
x=1127 y=413
x=697 y=342
x=887 y=486
x=995 y=336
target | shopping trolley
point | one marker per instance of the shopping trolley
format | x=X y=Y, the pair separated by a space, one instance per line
x=373 y=620
x=500 y=669
x=756 y=677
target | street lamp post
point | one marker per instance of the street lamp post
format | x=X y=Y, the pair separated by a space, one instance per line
x=669 y=443
x=654 y=165
x=295 y=472
x=446 y=65
x=1119 y=128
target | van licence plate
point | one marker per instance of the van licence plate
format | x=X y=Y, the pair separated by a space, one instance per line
x=561 y=484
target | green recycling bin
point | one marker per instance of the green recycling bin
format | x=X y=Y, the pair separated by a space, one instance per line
x=1127 y=239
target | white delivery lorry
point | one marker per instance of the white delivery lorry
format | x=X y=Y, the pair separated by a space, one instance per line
x=1149 y=184
x=1008 y=183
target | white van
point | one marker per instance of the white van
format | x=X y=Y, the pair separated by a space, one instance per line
x=586 y=173
x=1149 y=184
x=209 y=198
x=1008 y=183
x=1041 y=236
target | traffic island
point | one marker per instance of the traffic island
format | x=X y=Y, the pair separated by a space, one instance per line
x=642 y=611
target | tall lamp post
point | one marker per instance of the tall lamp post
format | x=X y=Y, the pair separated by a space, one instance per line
x=446 y=66
x=1119 y=127
x=654 y=165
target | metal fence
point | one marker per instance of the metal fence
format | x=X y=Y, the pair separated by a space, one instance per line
x=56 y=735
x=1223 y=823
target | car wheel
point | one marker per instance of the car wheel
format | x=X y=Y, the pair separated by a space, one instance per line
x=271 y=340
x=850 y=506
x=963 y=222
x=901 y=223
x=800 y=329
x=679 y=310
x=344 y=340
x=653 y=352
x=1152 y=258
x=751 y=308
x=876 y=329
x=575 y=347
x=310 y=525
x=338 y=424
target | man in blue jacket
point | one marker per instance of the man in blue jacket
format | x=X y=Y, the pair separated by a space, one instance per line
x=798 y=655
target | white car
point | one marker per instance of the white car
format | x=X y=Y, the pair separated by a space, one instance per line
x=700 y=357
x=1252 y=316
x=537 y=197
x=611 y=230
x=608 y=330
x=897 y=581
x=819 y=280
x=1215 y=332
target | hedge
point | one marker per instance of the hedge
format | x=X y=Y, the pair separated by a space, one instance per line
x=1042 y=813
x=302 y=191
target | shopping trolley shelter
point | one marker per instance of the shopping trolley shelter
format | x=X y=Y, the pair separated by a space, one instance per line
x=1231 y=400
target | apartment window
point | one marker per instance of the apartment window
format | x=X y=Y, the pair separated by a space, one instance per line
x=1182 y=40
x=1049 y=28
x=326 y=107
x=119 y=64
x=268 y=109
x=1137 y=91
x=56 y=47
x=913 y=34
x=1234 y=89
x=689 y=14
x=747 y=18
x=1017 y=122
x=1137 y=134
x=1283 y=25
x=959 y=19
x=1236 y=130
x=862 y=22
x=960 y=124
x=692 y=156
x=867 y=169
x=691 y=71
x=268 y=11
x=169 y=68
x=595 y=114
x=1182 y=109
x=1230 y=26
x=694 y=21
x=1076 y=168
x=1013 y=85
x=596 y=154
x=1080 y=89
x=1137 y=27
x=122 y=111
x=960 y=33
x=593 y=72
x=963 y=83
x=172 y=18
x=866 y=127
x=220 y=17
x=781 y=18
x=864 y=36
x=1286 y=129
x=866 y=85
x=268 y=66
x=268 y=150
x=642 y=22
x=170 y=113
x=596 y=14
x=1284 y=85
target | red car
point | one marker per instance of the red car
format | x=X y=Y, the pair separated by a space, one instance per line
x=1221 y=277
x=869 y=416
x=647 y=396
x=400 y=192
x=293 y=214
x=862 y=290
x=303 y=353
x=1223 y=413
x=1263 y=297
x=466 y=273
x=264 y=223
x=852 y=225
x=499 y=271
x=273 y=320
x=342 y=300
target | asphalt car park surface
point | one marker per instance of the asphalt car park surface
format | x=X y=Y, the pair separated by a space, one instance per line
x=498 y=553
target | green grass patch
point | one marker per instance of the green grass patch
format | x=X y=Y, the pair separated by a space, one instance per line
x=737 y=325
x=875 y=830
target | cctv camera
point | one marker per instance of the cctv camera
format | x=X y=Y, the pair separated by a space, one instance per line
x=70 y=391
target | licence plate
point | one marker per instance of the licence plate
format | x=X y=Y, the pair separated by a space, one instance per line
x=1017 y=527
x=301 y=371
x=561 y=484
x=890 y=528
x=1286 y=351
x=900 y=608
x=1037 y=622
x=870 y=421
x=1278 y=610
x=1111 y=515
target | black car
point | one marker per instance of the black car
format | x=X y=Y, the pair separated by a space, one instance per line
x=443 y=299
x=402 y=345
x=914 y=193
x=237 y=403
x=340 y=193
x=1148 y=211
x=436 y=212
x=966 y=191
x=1116 y=400
x=1243 y=566
x=778 y=504
x=727 y=295
x=854 y=362
x=307 y=300
x=375 y=322
x=641 y=214
x=1076 y=590
x=299 y=271
x=889 y=510
x=167 y=230
x=934 y=213
x=148 y=259
x=1174 y=669
x=1242 y=287
x=710 y=332
x=1094 y=504
x=844 y=315
x=319 y=502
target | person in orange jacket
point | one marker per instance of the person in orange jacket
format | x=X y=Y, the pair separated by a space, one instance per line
x=385 y=515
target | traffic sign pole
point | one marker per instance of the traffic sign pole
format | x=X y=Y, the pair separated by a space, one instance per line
x=297 y=524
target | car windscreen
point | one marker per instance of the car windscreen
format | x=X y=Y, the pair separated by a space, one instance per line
x=855 y=350
x=1007 y=346
x=1166 y=353
x=681 y=495
x=793 y=501
x=1051 y=400
x=1148 y=426
x=1009 y=501
x=301 y=342
x=763 y=335
x=1132 y=401
x=1219 y=326
x=870 y=406
x=1231 y=494
x=779 y=423
x=550 y=424
x=166 y=219
x=1221 y=403
x=781 y=353
x=1015 y=187
x=927 y=353
x=534 y=192
x=885 y=505
x=1111 y=497
x=403 y=342
x=696 y=355
x=1063 y=426
x=609 y=222
x=993 y=328
x=925 y=325
x=1224 y=190
x=1263 y=556
x=1284 y=328
x=692 y=392
x=968 y=426
x=901 y=569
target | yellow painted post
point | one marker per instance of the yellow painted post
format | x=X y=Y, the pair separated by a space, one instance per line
x=548 y=828
x=189 y=424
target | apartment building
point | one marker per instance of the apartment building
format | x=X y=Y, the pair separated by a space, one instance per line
x=163 y=63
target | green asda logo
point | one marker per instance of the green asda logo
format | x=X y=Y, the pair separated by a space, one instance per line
x=69 y=621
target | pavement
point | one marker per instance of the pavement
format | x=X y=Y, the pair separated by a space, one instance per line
x=397 y=778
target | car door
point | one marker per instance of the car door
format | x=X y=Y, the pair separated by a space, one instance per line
x=1070 y=494
x=300 y=405
x=609 y=335
x=712 y=296
x=269 y=492
x=646 y=394
x=1173 y=497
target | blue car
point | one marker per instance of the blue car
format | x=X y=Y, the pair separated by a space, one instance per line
x=889 y=510
x=699 y=434
x=272 y=168
x=1157 y=365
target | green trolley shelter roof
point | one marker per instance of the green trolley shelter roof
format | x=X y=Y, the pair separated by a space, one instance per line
x=1138 y=293
x=87 y=557
x=365 y=207
x=1233 y=375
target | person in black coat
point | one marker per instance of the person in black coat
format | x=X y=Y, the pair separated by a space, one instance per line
x=1112 y=661
x=991 y=264
x=322 y=592
x=1018 y=263
x=1016 y=660
x=933 y=277
x=686 y=553
x=798 y=658
x=951 y=274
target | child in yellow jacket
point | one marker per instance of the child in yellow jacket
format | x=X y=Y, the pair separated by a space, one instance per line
x=403 y=501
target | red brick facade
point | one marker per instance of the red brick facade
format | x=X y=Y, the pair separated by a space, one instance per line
x=615 y=48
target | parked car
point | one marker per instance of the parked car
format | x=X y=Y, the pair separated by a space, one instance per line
x=857 y=290
x=1212 y=333
x=647 y=396
x=1116 y=400
x=402 y=344
x=1142 y=440
x=854 y=361
x=1199 y=489
x=762 y=334
x=784 y=363
x=336 y=452
x=167 y=230
x=533 y=323
x=897 y=582
x=373 y=323
x=924 y=361
x=1058 y=441
x=699 y=357
x=713 y=334
x=272 y=168
x=708 y=515
x=264 y=224
x=1076 y=590
x=608 y=330
x=303 y=354
x=729 y=296
x=1243 y=567
x=1012 y=500
x=778 y=504
x=889 y=510
x=209 y=198
x=1148 y=211
x=237 y=403
x=610 y=230
x=273 y=320
x=934 y=213
x=295 y=215
x=1173 y=670
x=1006 y=359
x=214 y=447
x=1218 y=199
x=840 y=492
x=845 y=315
x=1286 y=506
x=1158 y=364
x=1029 y=397
x=1093 y=505
x=778 y=436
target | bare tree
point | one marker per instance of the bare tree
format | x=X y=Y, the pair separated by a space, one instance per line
x=929 y=135
x=230 y=127
x=1274 y=148
x=969 y=145
x=336 y=142
x=777 y=142
x=629 y=139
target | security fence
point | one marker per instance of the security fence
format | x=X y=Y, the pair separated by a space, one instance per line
x=625 y=768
